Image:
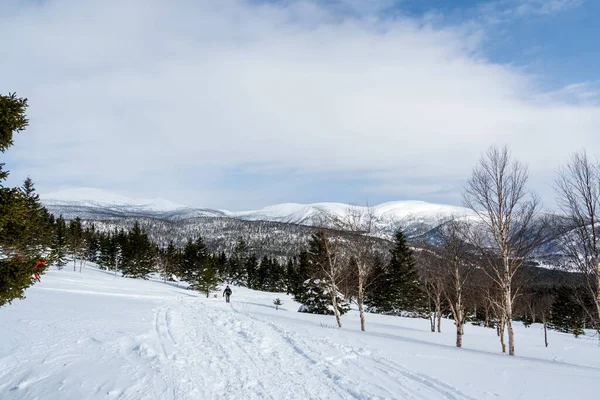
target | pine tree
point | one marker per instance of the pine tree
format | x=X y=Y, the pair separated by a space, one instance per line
x=396 y=288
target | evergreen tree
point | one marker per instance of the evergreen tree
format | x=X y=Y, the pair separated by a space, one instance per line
x=262 y=276
x=76 y=242
x=300 y=274
x=169 y=260
x=59 y=245
x=236 y=271
x=92 y=244
x=316 y=294
x=222 y=264
x=208 y=278
x=276 y=277
x=37 y=236
x=198 y=268
x=396 y=287
x=18 y=253
x=567 y=314
x=315 y=298
x=291 y=270
x=252 y=272
x=139 y=255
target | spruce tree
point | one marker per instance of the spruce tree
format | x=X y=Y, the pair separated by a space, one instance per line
x=37 y=236
x=198 y=269
x=316 y=293
x=139 y=256
x=208 y=278
x=396 y=288
x=19 y=254
x=169 y=261
x=316 y=299
x=567 y=314
x=92 y=244
x=252 y=272
x=59 y=244
x=76 y=241
x=236 y=271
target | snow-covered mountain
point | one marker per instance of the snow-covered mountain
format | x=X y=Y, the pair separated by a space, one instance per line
x=415 y=217
x=88 y=203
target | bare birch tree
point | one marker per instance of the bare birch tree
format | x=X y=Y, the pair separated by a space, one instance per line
x=430 y=271
x=578 y=190
x=358 y=225
x=497 y=193
x=330 y=266
x=457 y=265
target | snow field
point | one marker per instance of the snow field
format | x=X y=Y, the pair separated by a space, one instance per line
x=94 y=336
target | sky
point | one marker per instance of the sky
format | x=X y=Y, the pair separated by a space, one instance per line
x=240 y=104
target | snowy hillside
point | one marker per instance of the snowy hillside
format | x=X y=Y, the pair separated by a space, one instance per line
x=94 y=336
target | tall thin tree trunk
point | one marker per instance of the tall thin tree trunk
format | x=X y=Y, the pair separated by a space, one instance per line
x=430 y=311
x=359 y=302
x=545 y=330
x=438 y=311
x=501 y=332
x=459 y=334
x=508 y=313
x=459 y=320
x=336 y=311
x=432 y=320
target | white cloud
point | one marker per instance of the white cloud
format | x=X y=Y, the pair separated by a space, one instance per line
x=121 y=91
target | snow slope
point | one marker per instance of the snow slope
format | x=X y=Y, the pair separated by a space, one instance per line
x=92 y=336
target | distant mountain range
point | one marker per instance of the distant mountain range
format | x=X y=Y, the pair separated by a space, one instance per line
x=279 y=230
x=415 y=217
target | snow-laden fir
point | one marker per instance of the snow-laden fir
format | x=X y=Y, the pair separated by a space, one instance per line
x=92 y=335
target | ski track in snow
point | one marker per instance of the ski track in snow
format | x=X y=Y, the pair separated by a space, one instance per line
x=214 y=350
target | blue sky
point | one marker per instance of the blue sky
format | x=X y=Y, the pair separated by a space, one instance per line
x=242 y=104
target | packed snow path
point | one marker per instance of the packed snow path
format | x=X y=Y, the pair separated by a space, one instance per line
x=253 y=358
x=92 y=335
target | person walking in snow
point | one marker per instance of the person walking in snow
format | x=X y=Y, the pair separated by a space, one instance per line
x=227 y=293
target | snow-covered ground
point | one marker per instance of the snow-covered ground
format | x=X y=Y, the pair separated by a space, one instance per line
x=91 y=335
